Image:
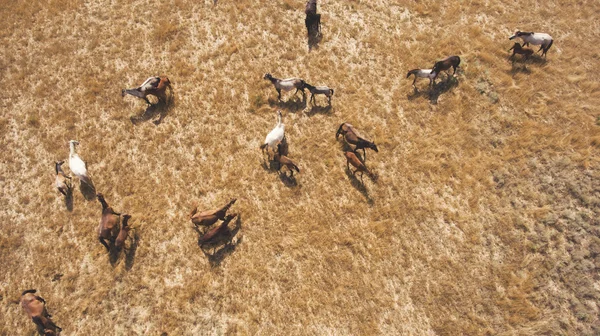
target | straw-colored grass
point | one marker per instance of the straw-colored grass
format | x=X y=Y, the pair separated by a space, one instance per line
x=483 y=221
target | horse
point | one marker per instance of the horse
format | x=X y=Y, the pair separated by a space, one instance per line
x=35 y=307
x=286 y=85
x=517 y=49
x=156 y=86
x=315 y=90
x=285 y=161
x=352 y=159
x=77 y=165
x=109 y=223
x=123 y=232
x=276 y=135
x=313 y=20
x=207 y=218
x=354 y=138
x=420 y=73
x=542 y=39
x=443 y=65
x=62 y=180
x=212 y=233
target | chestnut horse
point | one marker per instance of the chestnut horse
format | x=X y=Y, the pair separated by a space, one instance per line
x=35 y=307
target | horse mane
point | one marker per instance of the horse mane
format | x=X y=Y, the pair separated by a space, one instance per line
x=29 y=291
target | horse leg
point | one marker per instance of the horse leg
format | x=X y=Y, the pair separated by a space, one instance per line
x=101 y=239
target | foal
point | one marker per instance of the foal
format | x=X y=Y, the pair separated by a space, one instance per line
x=286 y=85
x=62 y=182
x=352 y=159
x=315 y=90
x=542 y=39
x=124 y=232
x=35 y=307
x=443 y=65
x=109 y=223
x=518 y=49
x=156 y=86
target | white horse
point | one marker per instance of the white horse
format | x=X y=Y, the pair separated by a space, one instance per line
x=421 y=73
x=542 y=39
x=275 y=136
x=286 y=84
x=77 y=165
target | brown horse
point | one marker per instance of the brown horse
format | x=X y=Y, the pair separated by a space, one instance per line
x=217 y=230
x=354 y=138
x=109 y=223
x=124 y=232
x=285 y=161
x=443 y=65
x=35 y=307
x=518 y=49
x=156 y=86
x=210 y=217
x=352 y=159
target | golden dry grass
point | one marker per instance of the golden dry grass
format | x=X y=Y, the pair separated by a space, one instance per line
x=484 y=219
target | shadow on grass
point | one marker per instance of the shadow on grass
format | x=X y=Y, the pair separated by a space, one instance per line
x=435 y=91
x=293 y=104
x=221 y=246
x=359 y=185
x=130 y=252
x=88 y=191
x=160 y=109
x=69 y=199
x=319 y=109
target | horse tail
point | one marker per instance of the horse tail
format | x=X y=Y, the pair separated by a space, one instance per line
x=263 y=146
x=295 y=167
x=549 y=45
x=458 y=62
x=331 y=92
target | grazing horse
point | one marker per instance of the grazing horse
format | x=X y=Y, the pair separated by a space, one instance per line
x=353 y=137
x=542 y=39
x=156 y=86
x=315 y=90
x=109 y=223
x=62 y=181
x=517 y=49
x=420 y=73
x=35 y=307
x=286 y=84
x=207 y=218
x=212 y=233
x=443 y=65
x=274 y=137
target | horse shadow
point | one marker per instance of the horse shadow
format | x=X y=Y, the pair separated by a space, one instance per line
x=288 y=180
x=359 y=185
x=130 y=252
x=223 y=245
x=319 y=109
x=88 y=191
x=442 y=87
x=69 y=199
x=160 y=109
x=293 y=104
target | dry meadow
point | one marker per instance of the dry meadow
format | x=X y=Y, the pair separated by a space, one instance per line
x=484 y=218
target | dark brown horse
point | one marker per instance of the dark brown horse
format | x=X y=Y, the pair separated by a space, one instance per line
x=352 y=159
x=443 y=65
x=35 y=307
x=109 y=223
x=217 y=230
x=156 y=86
x=313 y=20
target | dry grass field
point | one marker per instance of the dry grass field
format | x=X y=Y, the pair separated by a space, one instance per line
x=484 y=218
